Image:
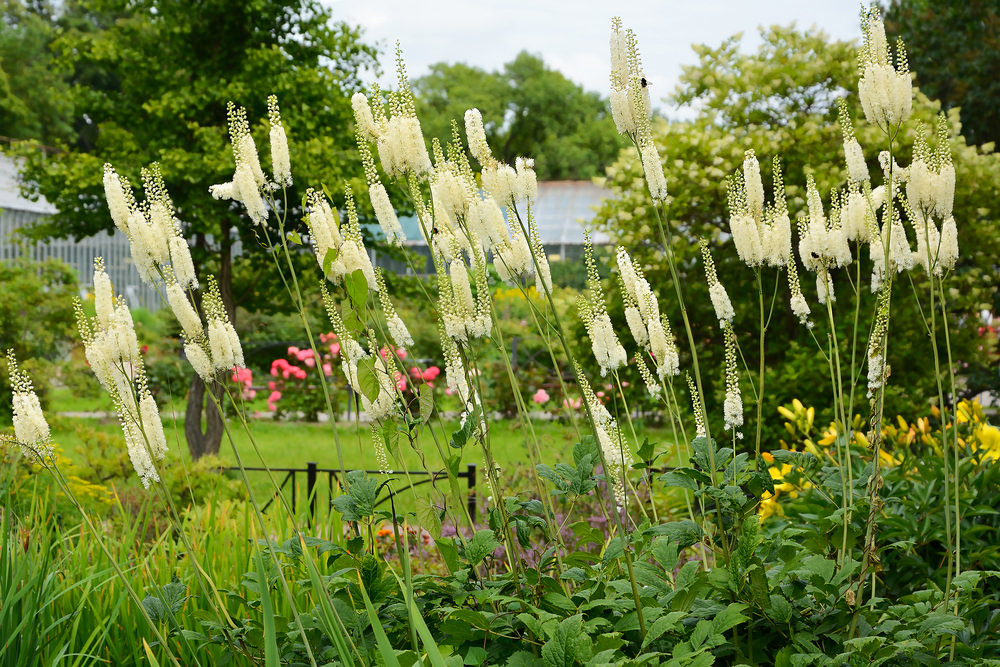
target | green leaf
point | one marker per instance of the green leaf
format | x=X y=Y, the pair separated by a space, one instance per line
x=475 y=656
x=149 y=654
x=685 y=533
x=481 y=545
x=586 y=447
x=359 y=501
x=781 y=609
x=671 y=622
x=170 y=600
x=758 y=585
x=368 y=379
x=567 y=644
x=267 y=614
x=645 y=451
x=449 y=553
x=433 y=652
x=294 y=237
x=665 y=551
x=428 y=514
x=614 y=550
x=328 y=259
x=426 y=402
x=679 y=479
x=460 y=437
x=523 y=659
x=357 y=289
x=729 y=618
x=351 y=319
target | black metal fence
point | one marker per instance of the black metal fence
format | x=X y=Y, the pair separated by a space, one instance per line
x=312 y=473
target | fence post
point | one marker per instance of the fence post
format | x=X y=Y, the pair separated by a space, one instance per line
x=471 y=474
x=311 y=489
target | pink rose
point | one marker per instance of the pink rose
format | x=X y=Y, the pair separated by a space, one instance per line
x=541 y=397
x=431 y=373
x=293 y=350
x=327 y=370
x=272 y=386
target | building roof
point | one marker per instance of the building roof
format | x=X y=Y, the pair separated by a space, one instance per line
x=10 y=191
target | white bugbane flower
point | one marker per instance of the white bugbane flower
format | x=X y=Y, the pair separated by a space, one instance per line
x=717 y=293
x=654 y=171
x=280 y=160
x=185 y=313
x=732 y=407
x=31 y=430
x=885 y=91
x=363 y=117
x=114 y=192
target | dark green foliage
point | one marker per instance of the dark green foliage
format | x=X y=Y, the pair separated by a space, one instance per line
x=954 y=48
x=36 y=321
x=528 y=109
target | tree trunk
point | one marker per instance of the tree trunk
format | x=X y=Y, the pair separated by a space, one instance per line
x=202 y=442
x=208 y=441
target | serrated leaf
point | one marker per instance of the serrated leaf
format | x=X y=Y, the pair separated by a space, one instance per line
x=567 y=644
x=359 y=501
x=679 y=479
x=781 y=609
x=428 y=514
x=671 y=621
x=759 y=586
x=665 y=551
x=586 y=446
x=614 y=550
x=729 y=618
x=480 y=545
x=685 y=533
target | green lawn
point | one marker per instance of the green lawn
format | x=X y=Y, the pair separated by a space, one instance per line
x=283 y=444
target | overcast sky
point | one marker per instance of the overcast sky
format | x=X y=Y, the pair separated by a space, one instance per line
x=573 y=36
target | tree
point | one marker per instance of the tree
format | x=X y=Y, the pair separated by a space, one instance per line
x=36 y=319
x=781 y=100
x=529 y=110
x=151 y=79
x=956 y=55
x=33 y=89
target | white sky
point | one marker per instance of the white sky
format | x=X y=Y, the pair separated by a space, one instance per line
x=573 y=36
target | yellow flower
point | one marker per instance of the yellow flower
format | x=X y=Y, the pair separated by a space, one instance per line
x=988 y=440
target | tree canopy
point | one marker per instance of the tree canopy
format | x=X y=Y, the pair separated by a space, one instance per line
x=149 y=82
x=780 y=100
x=956 y=55
x=528 y=109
